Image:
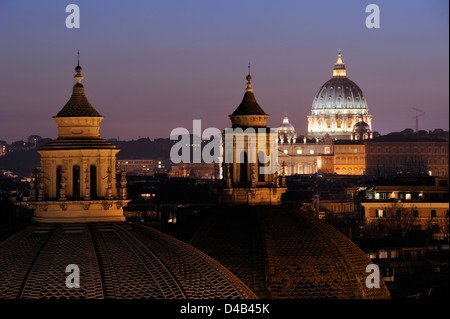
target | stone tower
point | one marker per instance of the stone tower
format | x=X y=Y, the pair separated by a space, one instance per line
x=250 y=153
x=77 y=182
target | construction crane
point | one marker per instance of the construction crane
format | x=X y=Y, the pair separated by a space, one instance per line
x=418 y=113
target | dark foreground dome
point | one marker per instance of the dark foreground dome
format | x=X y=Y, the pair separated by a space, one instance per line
x=120 y=261
x=281 y=252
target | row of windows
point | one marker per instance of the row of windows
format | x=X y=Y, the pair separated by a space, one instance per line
x=405 y=160
x=300 y=151
x=326 y=150
x=350 y=150
x=381 y=213
x=384 y=254
x=349 y=169
x=408 y=149
x=345 y=160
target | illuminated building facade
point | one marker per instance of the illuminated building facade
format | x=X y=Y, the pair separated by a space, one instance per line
x=407 y=154
x=142 y=167
x=418 y=206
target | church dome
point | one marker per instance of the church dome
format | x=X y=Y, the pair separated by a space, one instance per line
x=286 y=127
x=361 y=127
x=340 y=93
x=120 y=261
x=283 y=252
x=286 y=131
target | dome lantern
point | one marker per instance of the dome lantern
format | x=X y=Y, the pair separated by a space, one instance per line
x=339 y=67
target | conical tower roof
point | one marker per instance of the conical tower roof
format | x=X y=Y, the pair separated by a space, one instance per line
x=249 y=105
x=78 y=104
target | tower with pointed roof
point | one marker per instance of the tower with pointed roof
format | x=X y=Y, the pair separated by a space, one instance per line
x=246 y=178
x=77 y=182
x=338 y=106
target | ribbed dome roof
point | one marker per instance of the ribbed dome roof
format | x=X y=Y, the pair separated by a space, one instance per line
x=340 y=92
x=120 y=261
x=282 y=252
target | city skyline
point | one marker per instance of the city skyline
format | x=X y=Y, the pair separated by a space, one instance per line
x=150 y=68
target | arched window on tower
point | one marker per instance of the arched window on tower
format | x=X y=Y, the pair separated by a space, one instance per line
x=260 y=165
x=93 y=180
x=58 y=181
x=244 y=167
x=76 y=182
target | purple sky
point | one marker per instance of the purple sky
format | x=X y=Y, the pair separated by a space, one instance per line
x=151 y=66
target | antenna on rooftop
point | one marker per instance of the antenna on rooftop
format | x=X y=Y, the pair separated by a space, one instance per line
x=419 y=112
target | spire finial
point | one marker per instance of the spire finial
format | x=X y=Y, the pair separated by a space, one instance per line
x=78 y=77
x=249 y=79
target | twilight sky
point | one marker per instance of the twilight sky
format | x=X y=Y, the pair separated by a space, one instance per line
x=151 y=66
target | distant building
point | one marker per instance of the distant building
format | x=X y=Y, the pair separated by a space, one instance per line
x=143 y=167
x=33 y=140
x=305 y=156
x=2 y=148
x=195 y=170
x=410 y=204
x=349 y=157
x=407 y=154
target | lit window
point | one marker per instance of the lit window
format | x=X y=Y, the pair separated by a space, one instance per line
x=299 y=151
x=394 y=253
x=327 y=150
x=372 y=255
x=311 y=151
x=408 y=196
x=383 y=254
x=381 y=213
x=285 y=151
